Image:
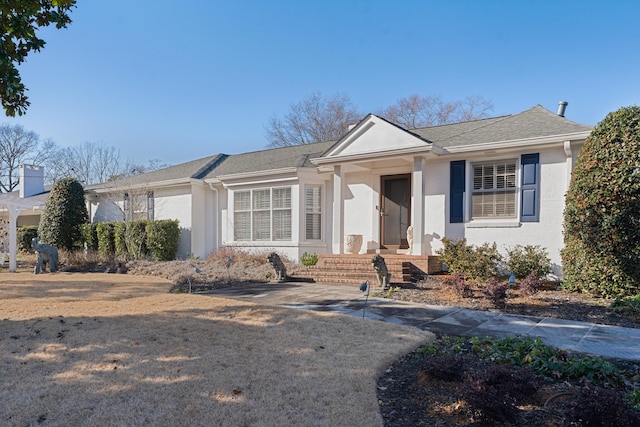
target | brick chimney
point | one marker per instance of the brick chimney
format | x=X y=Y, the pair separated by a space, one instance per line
x=31 y=180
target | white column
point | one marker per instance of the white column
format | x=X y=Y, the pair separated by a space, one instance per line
x=338 y=223
x=14 y=212
x=417 y=204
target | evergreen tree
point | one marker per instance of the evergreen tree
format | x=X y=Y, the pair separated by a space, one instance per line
x=602 y=214
x=65 y=212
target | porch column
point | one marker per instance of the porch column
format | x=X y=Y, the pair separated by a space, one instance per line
x=417 y=204
x=338 y=223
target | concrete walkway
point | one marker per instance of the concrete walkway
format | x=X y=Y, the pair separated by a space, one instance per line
x=599 y=340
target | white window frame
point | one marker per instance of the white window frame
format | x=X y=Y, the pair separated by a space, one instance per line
x=277 y=212
x=311 y=210
x=503 y=192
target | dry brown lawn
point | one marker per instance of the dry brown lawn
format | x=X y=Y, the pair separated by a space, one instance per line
x=118 y=350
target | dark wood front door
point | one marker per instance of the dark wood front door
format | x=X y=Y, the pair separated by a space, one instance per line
x=395 y=205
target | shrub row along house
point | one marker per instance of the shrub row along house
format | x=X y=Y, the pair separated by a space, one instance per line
x=500 y=179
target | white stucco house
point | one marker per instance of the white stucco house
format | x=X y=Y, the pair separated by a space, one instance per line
x=499 y=179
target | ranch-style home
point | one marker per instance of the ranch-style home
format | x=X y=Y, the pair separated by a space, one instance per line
x=379 y=188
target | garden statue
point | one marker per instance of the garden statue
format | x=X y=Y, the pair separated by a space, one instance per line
x=410 y=239
x=278 y=266
x=384 y=277
x=46 y=254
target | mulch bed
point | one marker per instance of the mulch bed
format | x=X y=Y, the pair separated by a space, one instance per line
x=408 y=397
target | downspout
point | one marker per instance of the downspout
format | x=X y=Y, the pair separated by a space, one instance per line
x=569 y=153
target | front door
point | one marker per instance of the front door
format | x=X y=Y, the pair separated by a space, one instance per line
x=395 y=205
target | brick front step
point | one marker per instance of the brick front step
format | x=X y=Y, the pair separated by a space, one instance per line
x=356 y=269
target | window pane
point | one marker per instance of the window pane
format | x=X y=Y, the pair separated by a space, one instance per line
x=282 y=225
x=242 y=200
x=242 y=226
x=262 y=225
x=313 y=222
x=313 y=209
x=486 y=202
x=282 y=198
x=477 y=178
x=261 y=199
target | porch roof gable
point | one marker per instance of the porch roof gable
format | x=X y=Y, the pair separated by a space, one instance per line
x=375 y=137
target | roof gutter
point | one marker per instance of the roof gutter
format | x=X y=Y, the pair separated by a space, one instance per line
x=434 y=149
x=518 y=143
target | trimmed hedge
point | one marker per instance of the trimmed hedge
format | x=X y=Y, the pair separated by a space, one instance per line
x=90 y=236
x=163 y=238
x=120 y=243
x=106 y=238
x=137 y=239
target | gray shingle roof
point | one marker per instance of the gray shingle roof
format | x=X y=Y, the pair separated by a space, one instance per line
x=193 y=169
x=276 y=158
x=531 y=123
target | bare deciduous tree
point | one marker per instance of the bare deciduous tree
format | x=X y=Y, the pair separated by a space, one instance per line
x=314 y=119
x=317 y=118
x=17 y=146
x=89 y=163
x=417 y=111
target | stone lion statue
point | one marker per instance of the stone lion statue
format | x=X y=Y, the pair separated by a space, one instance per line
x=384 y=277
x=46 y=254
x=278 y=266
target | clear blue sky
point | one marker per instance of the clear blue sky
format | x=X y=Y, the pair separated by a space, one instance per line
x=179 y=80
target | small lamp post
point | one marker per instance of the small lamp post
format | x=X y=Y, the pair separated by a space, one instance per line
x=197 y=270
x=364 y=287
x=512 y=281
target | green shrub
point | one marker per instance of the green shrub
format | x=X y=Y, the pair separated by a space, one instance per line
x=90 y=236
x=602 y=213
x=522 y=260
x=25 y=235
x=106 y=238
x=119 y=239
x=135 y=237
x=629 y=306
x=163 y=238
x=309 y=259
x=64 y=212
x=477 y=263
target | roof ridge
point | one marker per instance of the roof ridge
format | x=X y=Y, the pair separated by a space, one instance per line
x=209 y=166
x=467 y=121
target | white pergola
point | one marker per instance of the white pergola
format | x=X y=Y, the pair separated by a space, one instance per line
x=15 y=205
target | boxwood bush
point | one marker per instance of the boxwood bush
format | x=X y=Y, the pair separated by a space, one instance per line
x=25 y=235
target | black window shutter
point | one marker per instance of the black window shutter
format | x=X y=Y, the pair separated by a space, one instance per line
x=456 y=196
x=530 y=198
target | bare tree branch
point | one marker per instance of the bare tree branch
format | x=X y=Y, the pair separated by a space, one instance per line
x=314 y=119
x=417 y=111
